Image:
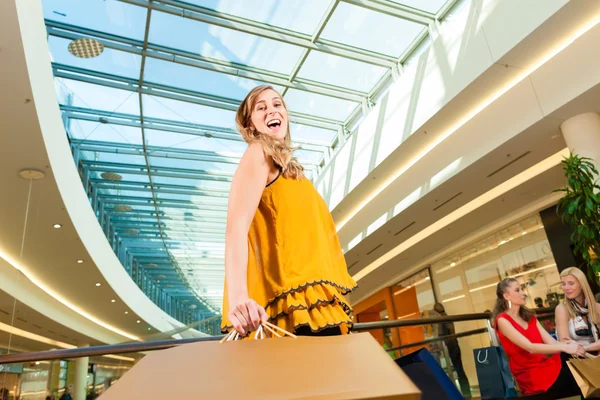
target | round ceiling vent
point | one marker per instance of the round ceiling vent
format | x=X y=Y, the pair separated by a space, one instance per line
x=168 y=286
x=132 y=231
x=123 y=208
x=185 y=301
x=151 y=265
x=192 y=307
x=86 y=48
x=111 y=176
x=160 y=277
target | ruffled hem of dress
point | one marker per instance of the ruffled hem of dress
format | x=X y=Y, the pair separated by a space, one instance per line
x=319 y=305
x=343 y=290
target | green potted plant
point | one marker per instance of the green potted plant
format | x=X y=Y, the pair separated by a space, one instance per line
x=580 y=208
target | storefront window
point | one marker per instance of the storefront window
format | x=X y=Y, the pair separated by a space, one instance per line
x=466 y=281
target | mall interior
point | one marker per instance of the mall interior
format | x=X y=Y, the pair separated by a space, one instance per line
x=433 y=129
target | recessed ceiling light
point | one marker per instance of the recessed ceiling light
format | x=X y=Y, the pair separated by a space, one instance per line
x=453 y=264
x=56 y=226
x=37 y=363
x=79 y=261
x=138 y=321
x=98 y=284
x=126 y=312
x=149 y=329
x=113 y=300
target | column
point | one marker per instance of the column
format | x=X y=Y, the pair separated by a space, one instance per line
x=81 y=371
x=582 y=135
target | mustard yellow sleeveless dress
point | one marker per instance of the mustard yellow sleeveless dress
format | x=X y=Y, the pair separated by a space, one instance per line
x=296 y=268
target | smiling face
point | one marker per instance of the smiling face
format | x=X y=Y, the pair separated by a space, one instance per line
x=269 y=115
x=515 y=294
x=571 y=286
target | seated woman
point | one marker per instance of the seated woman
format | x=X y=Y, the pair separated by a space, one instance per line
x=533 y=355
x=578 y=317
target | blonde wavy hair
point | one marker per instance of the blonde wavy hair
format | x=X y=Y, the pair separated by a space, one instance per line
x=281 y=151
x=587 y=293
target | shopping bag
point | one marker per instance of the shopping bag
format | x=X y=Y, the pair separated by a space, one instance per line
x=317 y=368
x=491 y=364
x=587 y=375
x=430 y=378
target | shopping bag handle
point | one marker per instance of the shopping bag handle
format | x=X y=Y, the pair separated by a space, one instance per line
x=274 y=330
x=586 y=355
x=485 y=359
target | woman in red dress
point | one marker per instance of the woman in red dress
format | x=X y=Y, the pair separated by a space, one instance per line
x=533 y=355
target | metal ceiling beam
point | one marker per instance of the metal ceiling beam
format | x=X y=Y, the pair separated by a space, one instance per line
x=176 y=188
x=186 y=266
x=161 y=200
x=175 y=232
x=188 y=128
x=330 y=10
x=387 y=79
x=218 y=132
x=394 y=9
x=152 y=168
x=174 y=93
x=146 y=224
x=161 y=152
x=217 y=18
x=193 y=260
x=161 y=174
x=165 y=191
x=446 y=8
x=73 y=32
x=175 y=235
x=163 y=205
x=197 y=216
x=169 y=238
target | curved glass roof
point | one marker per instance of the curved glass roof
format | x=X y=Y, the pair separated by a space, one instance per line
x=151 y=119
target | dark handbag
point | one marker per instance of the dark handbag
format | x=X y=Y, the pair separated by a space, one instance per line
x=491 y=363
x=428 y=376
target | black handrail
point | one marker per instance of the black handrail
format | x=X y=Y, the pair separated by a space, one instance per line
x=402 y=323
x=440 y=338
x=61 y=354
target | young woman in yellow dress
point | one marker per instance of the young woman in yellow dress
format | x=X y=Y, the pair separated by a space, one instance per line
x=283 y=260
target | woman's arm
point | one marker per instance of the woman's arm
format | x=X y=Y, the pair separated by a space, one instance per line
x=517 y=338
x=562 y=323
x=247 y=186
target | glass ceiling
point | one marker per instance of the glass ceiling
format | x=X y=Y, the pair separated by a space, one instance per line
x=157 y=108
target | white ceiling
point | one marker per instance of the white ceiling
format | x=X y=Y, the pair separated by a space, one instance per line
x=540 y=141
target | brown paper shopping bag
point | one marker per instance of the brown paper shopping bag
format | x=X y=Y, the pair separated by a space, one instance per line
x=317 y=368
x=587 y=375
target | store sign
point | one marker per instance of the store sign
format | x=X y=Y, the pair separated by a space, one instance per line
x=12 y=368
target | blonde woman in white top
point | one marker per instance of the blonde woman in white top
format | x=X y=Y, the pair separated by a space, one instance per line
x=578 y=317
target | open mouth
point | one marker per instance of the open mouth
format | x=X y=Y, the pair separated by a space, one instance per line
x=274 y=123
